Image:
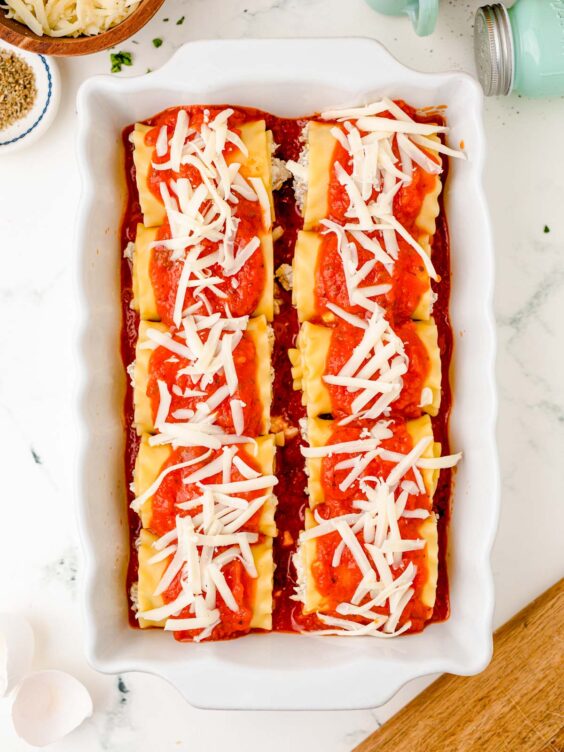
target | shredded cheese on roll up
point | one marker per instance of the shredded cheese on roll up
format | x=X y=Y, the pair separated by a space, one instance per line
x=375 y=178
x=220 y=496
x=209 y=533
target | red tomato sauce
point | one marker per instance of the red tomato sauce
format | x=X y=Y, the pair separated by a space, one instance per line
x=233 y=623
x=287 y=403
x=339 y=501
x=196 y=115
x=165 y=366
x=173 y=491
x=345 y=338
x=291 y=489
x=407 y=202
x=338 y=584
x=409 y=280
x=241 y=292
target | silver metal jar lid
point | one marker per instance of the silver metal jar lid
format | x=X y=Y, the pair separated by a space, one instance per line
x=493 y=49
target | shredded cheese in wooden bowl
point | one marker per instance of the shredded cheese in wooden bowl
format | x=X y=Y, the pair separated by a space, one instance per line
x=70 y=18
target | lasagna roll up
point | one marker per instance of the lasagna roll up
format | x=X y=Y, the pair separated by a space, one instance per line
x=320 y=284
x=325 y=148
x=323 y=354
x=153 y=147
x=157 y=278
x=190 y=480
x=367 y=450
x=247 y=576
x=360 y=592
x=243 y=407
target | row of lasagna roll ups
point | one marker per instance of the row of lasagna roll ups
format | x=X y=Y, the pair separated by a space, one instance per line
x=368 y=364
x=203 y=286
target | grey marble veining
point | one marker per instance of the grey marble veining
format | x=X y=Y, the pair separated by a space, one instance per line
x=63 y=570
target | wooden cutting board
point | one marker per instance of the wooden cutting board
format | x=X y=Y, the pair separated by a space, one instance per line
x=515 y=705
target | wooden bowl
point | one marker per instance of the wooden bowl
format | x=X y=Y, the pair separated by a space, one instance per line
x=19 y=35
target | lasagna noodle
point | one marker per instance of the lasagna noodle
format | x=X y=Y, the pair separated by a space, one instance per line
x=320 y=150
x=151 y=573
x=315 y=601
x=320 y=146
x=257 y=164
x=319 y=433
x=257 y=330
x=309 y=366
x=152 y=206
x=151 y=460
x=144 y=298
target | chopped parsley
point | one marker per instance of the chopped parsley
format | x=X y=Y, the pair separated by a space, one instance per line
x=157 y=42
x=120 y=58
x=180 y=21
x=546 y=228
x=166 y=20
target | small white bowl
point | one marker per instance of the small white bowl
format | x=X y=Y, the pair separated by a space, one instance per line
x=48 y=84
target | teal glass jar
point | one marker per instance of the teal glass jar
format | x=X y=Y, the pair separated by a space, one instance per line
x=521 y=48
x=423 y=13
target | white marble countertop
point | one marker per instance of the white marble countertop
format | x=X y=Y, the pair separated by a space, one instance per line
x=39 y=558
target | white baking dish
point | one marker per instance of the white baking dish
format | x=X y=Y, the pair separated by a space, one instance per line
x=281 y=671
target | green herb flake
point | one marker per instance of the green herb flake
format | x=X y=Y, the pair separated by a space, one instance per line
x=157 y=42
x=120 y=58
x=166 y=20
x=149 y=70
x=546 y=229
x=180 y=21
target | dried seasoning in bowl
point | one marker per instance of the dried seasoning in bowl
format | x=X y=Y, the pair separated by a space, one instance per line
x=18 y=91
